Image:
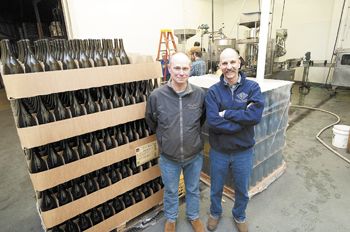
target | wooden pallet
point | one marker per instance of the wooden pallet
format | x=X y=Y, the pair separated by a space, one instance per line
x=259 y=187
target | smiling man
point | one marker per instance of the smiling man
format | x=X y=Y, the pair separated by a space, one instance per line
x=234 y=105
x=176 y=112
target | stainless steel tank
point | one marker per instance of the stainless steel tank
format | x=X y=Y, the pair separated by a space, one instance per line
x=219 y=45
x=341 y=75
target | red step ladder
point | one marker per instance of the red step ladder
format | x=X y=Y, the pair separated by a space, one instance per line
x=166 y=48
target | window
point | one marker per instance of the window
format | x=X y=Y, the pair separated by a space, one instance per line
x=345 y=59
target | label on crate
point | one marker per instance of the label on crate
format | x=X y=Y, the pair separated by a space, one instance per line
x=146 y=153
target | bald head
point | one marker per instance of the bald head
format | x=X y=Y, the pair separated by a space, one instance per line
x=179 y=69
x=179 y=57
x=229 y=52
x=229 y=65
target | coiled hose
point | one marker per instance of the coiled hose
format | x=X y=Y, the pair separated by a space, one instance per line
x=325 y=128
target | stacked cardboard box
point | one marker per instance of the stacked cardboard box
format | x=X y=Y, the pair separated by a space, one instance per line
x=29 y=85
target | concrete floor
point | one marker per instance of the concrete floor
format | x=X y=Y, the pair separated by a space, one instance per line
x=312 y=195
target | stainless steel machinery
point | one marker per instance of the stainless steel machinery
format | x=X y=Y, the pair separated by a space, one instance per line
x=341 y=75
x=219 y=45
x=217 y=42
x=183 y=35
x=247 y=46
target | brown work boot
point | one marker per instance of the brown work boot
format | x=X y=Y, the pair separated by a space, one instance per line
x=212 y=223
x=169 y=226
x=197 y=225
x=241 y=226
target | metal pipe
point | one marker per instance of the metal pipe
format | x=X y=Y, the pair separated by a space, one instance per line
x=335 y=42
x=212 y=20
x=341 y=18
x=271 y=44
x=212 y=37
x=284 y=2
x=273 y=9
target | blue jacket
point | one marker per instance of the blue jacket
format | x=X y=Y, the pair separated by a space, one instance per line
x=235 y=131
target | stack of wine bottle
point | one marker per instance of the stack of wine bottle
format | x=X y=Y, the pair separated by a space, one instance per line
x=44 y=157
x=60 y=54
x=70 y=54
x=101 y=212
x=91 y=182
x=72 y=149
x=59 y=106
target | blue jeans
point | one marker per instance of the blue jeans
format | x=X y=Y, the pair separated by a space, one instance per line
x=240 y=164
x=170 y=172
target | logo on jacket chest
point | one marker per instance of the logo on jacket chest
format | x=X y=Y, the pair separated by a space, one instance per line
x=192 y=106
x=242 y=97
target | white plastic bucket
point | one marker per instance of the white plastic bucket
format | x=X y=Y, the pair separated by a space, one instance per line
x=340 y=136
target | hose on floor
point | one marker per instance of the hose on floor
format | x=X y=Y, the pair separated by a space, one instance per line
x=325 y=128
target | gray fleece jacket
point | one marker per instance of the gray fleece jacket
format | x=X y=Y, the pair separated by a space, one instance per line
x=177 y=119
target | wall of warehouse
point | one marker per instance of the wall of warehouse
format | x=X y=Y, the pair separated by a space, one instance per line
x=139 y=22
x=312 y=25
